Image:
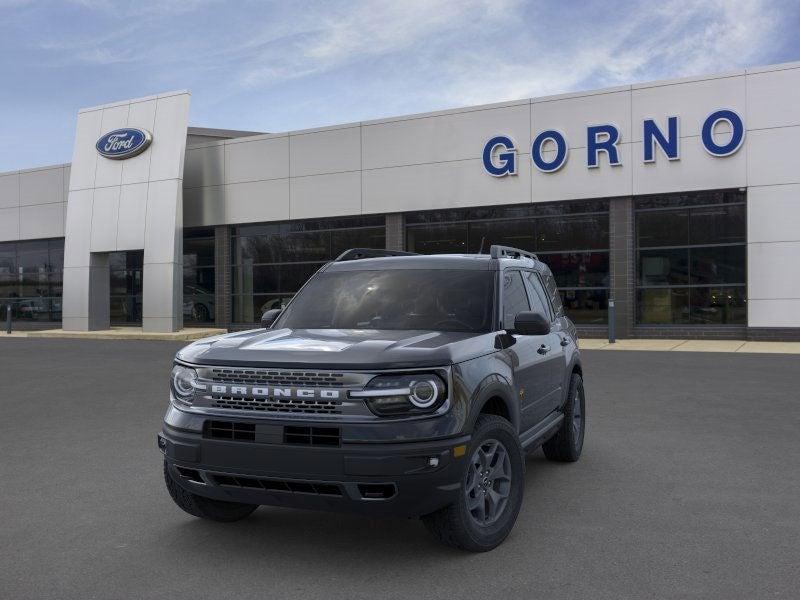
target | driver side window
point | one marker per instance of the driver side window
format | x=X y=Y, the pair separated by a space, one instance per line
x=515 y=298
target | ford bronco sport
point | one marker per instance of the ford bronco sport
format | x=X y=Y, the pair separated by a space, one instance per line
x=391 y=384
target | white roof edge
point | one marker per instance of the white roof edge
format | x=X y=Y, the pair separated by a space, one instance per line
x=135 y=100
x=34 y=169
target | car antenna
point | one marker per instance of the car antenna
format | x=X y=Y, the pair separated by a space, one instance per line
x=483 y=239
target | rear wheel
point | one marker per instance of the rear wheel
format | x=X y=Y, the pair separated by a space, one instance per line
x=491 y=490
x=205 y=508
x=566 y=445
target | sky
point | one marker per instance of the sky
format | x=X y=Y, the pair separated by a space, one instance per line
x=283 y=65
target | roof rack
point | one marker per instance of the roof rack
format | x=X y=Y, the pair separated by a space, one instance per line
x=359 y=253
x=509 y=252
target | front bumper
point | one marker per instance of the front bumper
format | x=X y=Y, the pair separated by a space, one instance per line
x=400 y=479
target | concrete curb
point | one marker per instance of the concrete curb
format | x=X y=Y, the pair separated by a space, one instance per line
x=120 y=333
x=658 y=345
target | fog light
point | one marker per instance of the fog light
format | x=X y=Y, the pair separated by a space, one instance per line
x=433 y=461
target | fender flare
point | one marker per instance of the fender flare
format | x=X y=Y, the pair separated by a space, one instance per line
x=494 y=386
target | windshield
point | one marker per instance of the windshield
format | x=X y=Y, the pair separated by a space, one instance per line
x=436 y=300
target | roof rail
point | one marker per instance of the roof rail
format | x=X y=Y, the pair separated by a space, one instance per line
x=508 y=252
x=358 y=253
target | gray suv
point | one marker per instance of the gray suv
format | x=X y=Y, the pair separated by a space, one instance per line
x=391 y=384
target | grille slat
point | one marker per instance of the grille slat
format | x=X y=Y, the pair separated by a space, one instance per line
x=272 y=377
x=280 y=405
x=280 y=485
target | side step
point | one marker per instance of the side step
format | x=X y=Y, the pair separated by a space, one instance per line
x=534 y=437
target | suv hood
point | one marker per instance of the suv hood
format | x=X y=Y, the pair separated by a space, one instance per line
x=338 y=348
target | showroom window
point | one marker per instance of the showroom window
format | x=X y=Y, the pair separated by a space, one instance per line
x=691 y=259
x=570 y=237
x=31 y=277
x=198 y=276
x=270 y=262
x=126 y=287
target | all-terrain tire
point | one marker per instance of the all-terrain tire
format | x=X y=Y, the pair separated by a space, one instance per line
x=454 y=525
x=566 y=445
x=205 y=508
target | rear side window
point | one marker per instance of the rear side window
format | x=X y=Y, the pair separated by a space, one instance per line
x=552 y=292
x=537 y=295
x=515 y=298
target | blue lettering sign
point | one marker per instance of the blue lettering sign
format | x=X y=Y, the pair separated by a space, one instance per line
x=652 y=135
x=707 y=134
x=602 y=138
x=507 y=157
x=561 y=151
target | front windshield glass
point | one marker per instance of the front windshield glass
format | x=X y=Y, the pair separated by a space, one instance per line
x=435 y=300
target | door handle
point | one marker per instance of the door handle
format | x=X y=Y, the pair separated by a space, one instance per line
x=543 y=349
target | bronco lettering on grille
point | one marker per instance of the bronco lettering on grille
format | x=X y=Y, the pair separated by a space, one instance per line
x=275 y=392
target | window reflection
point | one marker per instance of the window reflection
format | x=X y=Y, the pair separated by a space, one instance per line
x=688 y=247
x=572 y=238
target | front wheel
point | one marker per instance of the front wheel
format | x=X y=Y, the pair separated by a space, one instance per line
x=205 y=508
x=491 y=490
x=566 y=445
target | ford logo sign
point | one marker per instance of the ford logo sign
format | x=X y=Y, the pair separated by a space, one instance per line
x=123 y=143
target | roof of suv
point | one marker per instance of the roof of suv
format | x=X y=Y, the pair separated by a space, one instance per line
x=477 y=262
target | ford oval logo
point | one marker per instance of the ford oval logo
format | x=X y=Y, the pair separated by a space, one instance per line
x=123 y=143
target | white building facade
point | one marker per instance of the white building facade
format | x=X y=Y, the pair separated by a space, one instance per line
x=678 y=200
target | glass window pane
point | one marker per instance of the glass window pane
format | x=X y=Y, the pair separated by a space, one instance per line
x=662 y=228
x=265 y=249
x=719 y=264
x=586 y=307
x=198 y=308
x=663 y=267
x=357 y=238
x=663 y=306
x=126 y=309
x=718 y=306
x=255 y=279
x=249 y=308
x=572 y=233
x=307 y=246
x=515 y=298
x=292 y=277
x=518 y=234
x=198 y=281
x=438 y=239
x=8 y=259
x=537 y=295
x=718 y=225
x=198 y=252
x=579 y=269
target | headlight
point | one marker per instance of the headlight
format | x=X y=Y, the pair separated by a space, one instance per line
x=400 y=395
x=183 y=381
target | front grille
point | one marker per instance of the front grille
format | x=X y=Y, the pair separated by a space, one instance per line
x=227 y=430
x=312 y=436
x=279 y=485
x=275 y=377
x=278 y=405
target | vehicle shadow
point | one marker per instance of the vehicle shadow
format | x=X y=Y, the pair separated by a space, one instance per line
x=278 y=535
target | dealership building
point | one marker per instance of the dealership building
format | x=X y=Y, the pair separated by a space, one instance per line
x=677 y=200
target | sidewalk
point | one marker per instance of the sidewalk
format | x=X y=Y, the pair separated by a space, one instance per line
x=659 y=345
x=119 y=333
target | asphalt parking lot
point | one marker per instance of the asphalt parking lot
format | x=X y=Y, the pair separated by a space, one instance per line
x=689 y=487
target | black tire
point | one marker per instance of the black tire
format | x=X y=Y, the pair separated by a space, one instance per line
x=455 y=525
x=566 y=445
x=205 y=508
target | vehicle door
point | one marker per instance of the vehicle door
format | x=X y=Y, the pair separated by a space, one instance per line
x=555 y=357
x=528 y=365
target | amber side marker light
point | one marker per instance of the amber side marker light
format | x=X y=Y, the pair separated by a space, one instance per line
x=459 y=451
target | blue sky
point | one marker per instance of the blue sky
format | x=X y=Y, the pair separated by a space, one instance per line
x=277 y=66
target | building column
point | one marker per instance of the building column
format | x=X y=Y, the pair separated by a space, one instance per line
x=395 y=232
x=621 y=263
x=222 y=276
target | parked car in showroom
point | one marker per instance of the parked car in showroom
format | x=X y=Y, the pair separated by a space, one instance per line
x=391 y=384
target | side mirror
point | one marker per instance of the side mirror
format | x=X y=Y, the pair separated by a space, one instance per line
x=531 y=323
x=269 y=317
